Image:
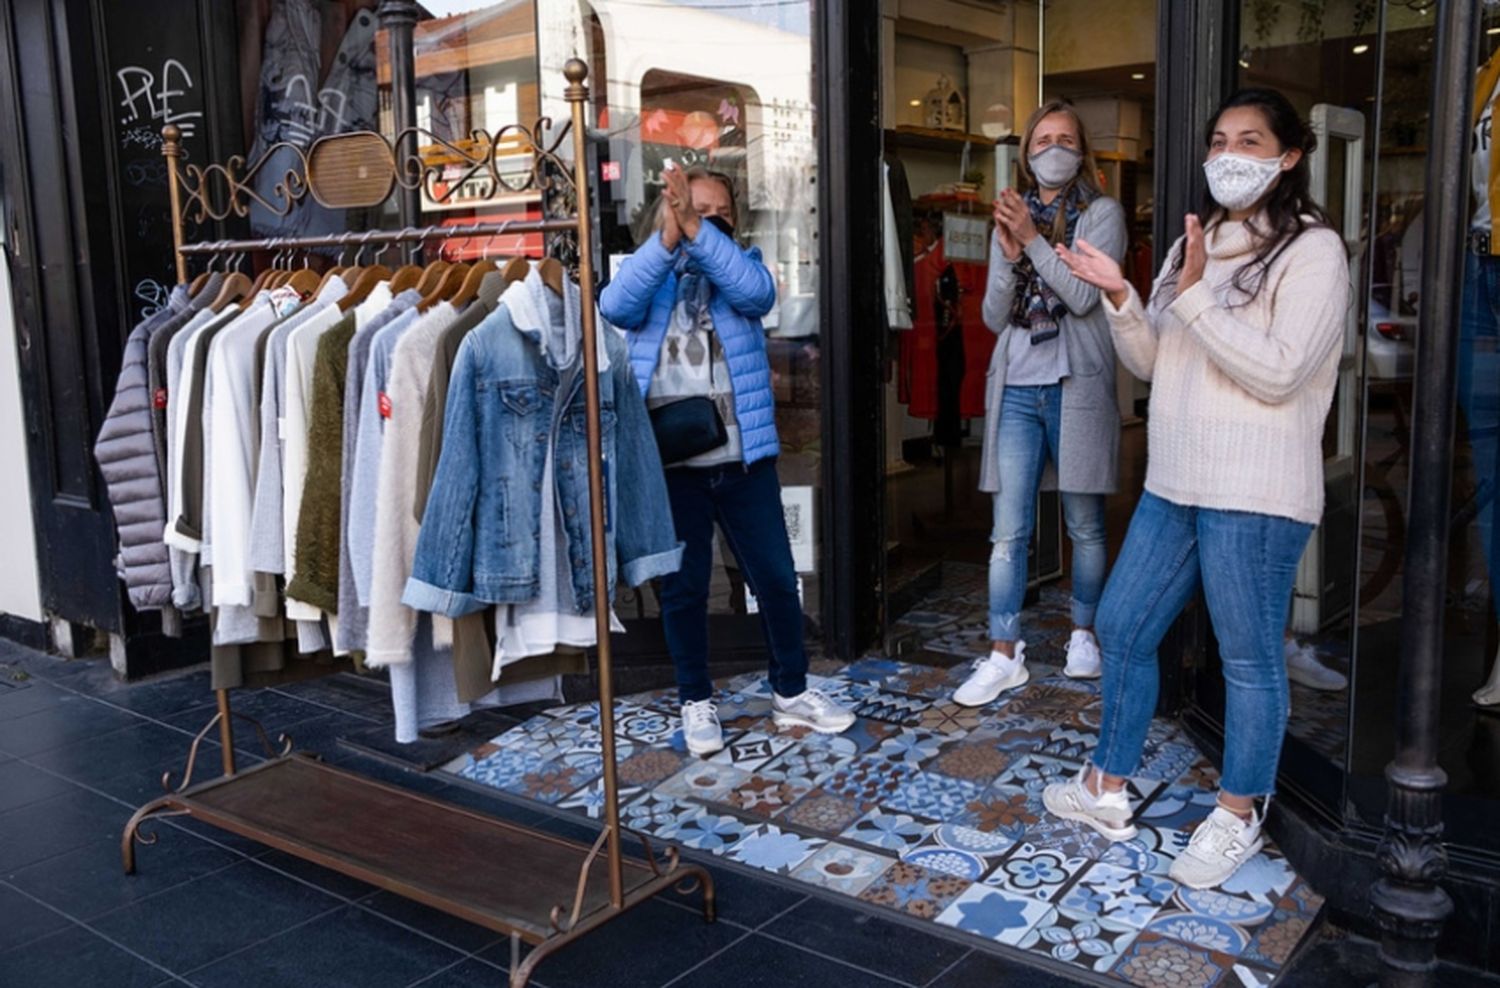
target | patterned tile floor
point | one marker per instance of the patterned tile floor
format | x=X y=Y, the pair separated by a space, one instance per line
x=933 y=811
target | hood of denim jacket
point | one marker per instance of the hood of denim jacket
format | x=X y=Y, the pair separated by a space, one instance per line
x=553 y=324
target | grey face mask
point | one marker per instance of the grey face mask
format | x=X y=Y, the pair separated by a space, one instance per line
x=1055 y=166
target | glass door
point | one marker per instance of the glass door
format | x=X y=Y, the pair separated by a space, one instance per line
x=733 y=95
x=954 y=104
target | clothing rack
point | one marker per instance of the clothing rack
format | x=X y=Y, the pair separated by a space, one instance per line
x=548 y=894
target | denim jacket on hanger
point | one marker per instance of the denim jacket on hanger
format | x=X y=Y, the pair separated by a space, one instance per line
x=507 y=402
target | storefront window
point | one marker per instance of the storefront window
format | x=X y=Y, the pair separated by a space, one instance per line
x=727 y=87
x=1469 y=748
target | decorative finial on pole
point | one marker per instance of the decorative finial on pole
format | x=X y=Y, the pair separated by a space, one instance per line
x=576 y=71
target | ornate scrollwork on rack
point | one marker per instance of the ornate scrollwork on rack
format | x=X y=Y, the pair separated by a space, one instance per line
x=362 y=169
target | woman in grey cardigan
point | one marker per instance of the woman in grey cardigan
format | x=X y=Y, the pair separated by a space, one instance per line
x=1050 y=400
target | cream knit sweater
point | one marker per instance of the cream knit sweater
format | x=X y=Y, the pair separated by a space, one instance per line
x=1240 y=390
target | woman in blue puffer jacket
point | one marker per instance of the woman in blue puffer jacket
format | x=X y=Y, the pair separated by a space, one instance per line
x=690 y=300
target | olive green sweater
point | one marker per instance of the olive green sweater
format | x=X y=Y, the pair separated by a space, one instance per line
x=317 y=545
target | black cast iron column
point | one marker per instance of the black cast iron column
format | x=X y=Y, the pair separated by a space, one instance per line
x=398 y=17
x=1409 y=904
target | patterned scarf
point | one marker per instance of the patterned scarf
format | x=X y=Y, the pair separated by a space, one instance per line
x=1036 y=306
x=693 y=289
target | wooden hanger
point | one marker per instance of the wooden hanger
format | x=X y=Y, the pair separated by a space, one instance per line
x=368 y=278
x=470 y=287
x=405 y=277
x=305 y=280
x=262 y=280
x=431 y=275
x=452 y=278
x=236 y=288
x=329 y=275
x=196 y=285
x=516 y=270
x=552 y=274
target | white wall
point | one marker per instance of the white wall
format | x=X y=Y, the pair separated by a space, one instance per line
x=20 y=591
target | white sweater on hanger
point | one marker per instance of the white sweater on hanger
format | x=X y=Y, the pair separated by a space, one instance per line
x=392 y=624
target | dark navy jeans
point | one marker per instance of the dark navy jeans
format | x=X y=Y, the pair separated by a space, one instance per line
x=746 y=504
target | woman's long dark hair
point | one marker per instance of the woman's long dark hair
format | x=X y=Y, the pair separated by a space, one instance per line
x=1289 y=210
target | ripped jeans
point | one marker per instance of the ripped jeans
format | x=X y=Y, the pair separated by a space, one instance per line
x=1030 y=428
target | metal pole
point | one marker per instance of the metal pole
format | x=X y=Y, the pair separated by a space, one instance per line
x=399 y=17
x=577 y=94
x=171 y=149
x=1408 y=902
x=406 y=235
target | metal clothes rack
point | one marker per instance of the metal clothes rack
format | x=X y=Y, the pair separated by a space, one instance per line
x=533 y=887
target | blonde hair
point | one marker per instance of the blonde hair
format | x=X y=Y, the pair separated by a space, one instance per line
x=1088 y=170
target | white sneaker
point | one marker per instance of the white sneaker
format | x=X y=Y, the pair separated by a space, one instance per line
x=1219 y=846
x=1107 y=812
x=813 y=710
x=700 y=727
x=993 y=676
x=1302 y=666
x=1084 y=661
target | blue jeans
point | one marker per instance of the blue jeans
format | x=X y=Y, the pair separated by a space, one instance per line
x=1030 y=428
x=1246 y=564
x=746 y=503
x=1479 y=394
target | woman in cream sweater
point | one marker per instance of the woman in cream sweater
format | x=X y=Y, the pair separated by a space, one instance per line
x=1240 y=340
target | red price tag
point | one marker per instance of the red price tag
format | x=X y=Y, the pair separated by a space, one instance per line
x=610 y=171
x=159 y=400
x=385 y=405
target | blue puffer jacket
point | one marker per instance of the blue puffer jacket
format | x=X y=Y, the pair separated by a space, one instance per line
x=643 y=292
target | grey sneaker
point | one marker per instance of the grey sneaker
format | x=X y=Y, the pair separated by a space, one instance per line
x=1107 y=812
x=813 y=710
x=700 y=727
x=1302 y=666
x=1219 y=846
x=992 y=676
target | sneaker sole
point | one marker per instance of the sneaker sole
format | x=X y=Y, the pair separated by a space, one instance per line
x=1018 y=680
x=1083 y=675
x=784 y=721
x=701 y=750
x=1205 y=886
x=1311 y=683
x=1100 y=827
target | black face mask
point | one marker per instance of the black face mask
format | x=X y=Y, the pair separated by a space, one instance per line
x=725 y=227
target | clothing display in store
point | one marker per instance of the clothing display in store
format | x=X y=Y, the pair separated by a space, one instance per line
x=946 y=354
x=1478 y=361
x=271 y=479
x=896 y=251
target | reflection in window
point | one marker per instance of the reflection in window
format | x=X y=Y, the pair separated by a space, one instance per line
x=727 y=86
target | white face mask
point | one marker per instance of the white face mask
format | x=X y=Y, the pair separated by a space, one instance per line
x=1238 y=181
x=1055 y=167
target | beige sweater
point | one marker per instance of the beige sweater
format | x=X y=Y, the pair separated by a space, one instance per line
x=1240 y=390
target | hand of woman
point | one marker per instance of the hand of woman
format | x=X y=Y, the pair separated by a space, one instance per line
x=1017 y=217
x=680 y=199
x=671 y=230
x=1092 y=265
x=1194 y=254
x=1008 y=245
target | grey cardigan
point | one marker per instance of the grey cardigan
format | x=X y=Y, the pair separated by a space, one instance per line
x=1089 y=447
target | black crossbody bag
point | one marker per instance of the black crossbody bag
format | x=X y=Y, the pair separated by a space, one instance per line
x=689 y=427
